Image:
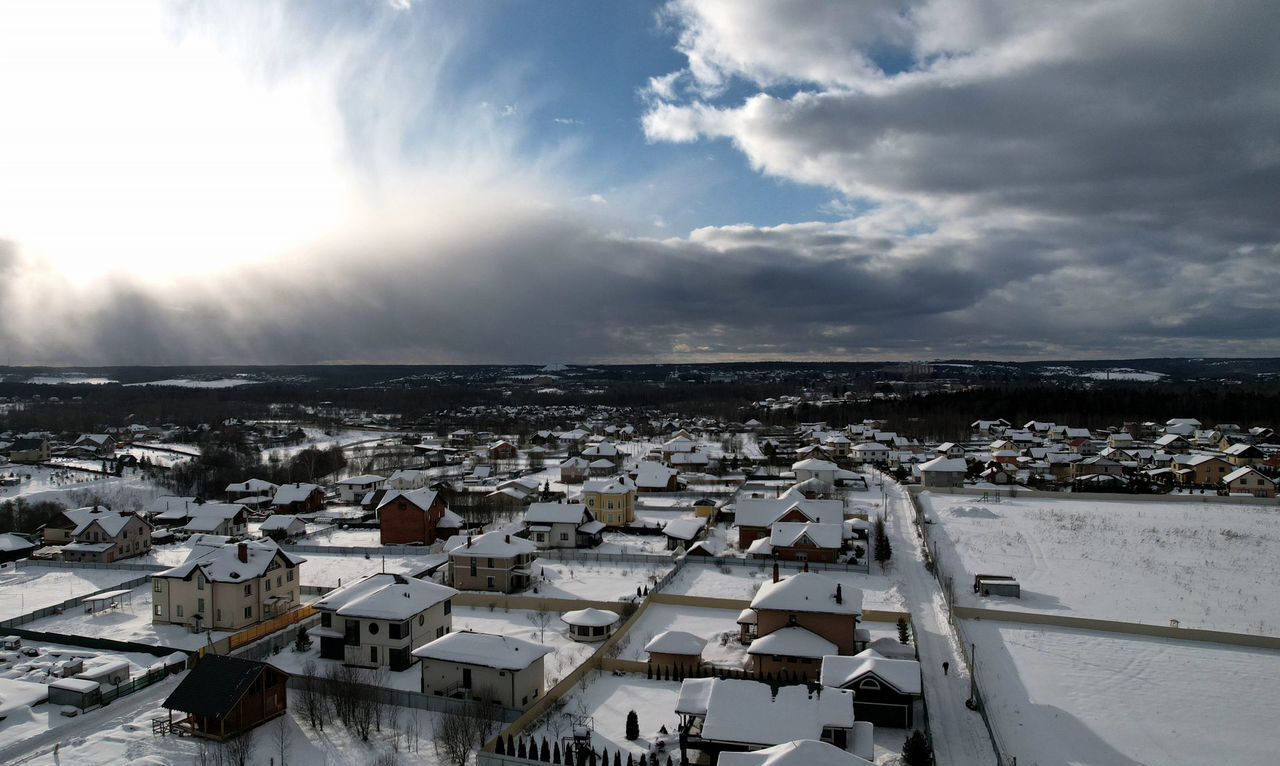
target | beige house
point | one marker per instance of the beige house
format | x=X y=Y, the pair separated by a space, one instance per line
x=379 y=620
x=482 y=666
x=494 y=561
x=1249 y=481
x=612 y=500
x=561 y=525
x=230 y=587
x=105 y=537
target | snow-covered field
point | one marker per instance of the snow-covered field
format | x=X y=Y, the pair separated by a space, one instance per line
x=710 y=624
x=1065 y=697
x=739 y=582
x=607 y=699
x=28 y=588
x=1207 y=565
x=592 y=581
x=131 y=492
x=344 y=538
x=327 y=570
x=193 y=383
x=129 y=621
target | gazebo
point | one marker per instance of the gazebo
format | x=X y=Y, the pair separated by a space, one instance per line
x=590 y=624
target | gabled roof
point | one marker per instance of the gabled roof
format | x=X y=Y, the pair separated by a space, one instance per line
x=364 y=480
x=676 y=642
x=294 y=493
x=807 y=592
x=792 y=642
x=683 y=529
x=616 y=485
x=223 y=564
x=841 y=671
x=216 y=684
x=483 y=649
x=422 y=498
x=1245 y=471
x=754 y=713
x=495 y=544
x=787 y=534
x=944 y=465
x=385 y=597
x=557 y=513
x=764 y=512
x=278 y=522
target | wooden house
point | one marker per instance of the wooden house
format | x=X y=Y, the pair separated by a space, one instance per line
x=223 y=697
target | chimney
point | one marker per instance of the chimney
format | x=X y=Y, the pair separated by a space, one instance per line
x=468 y=541
x=508 y=538
x=242 y=553
x=839 y=594
x=775 y=571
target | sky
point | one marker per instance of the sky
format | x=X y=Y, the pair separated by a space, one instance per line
x=520 y=181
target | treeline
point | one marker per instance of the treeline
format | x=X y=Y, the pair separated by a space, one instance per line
x=19 y=515
x=230 y=461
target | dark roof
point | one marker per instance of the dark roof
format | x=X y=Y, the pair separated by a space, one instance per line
x=24 y=445
x=215 y=685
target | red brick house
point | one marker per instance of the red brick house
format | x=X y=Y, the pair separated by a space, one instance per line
x=417 y=516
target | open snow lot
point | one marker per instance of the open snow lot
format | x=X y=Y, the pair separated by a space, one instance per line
x=742 y=582
x=607 y=699
x=349 y=538
x=326 y=570
x=1207 y=565
x=704 y=623
x=28 y=588
x=75 y=489
x=130 y=621
x=591 y=581
x=1064 y=697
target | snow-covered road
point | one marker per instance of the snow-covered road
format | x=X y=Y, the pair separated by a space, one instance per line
x=959 y=736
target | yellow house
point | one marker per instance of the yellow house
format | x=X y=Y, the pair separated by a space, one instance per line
x=612 y=500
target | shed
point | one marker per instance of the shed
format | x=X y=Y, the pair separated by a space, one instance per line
x=996 y=585
x=77 y=692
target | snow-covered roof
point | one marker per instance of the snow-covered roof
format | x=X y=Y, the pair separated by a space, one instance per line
x=422 y=498
x=683 y=529
x=788 y=533
x=807 y=592
x=279 y=522
x=590 y=618
x=255 y=486
x=616 y=485
x=944 y=465
x=204 y=523
x=792 y=642
x=841 y=671
x=110 y=522
x=11 y=542
x=556 y=513
x=747 y=617
x=814 y=464
x=653 y=475
x=483 y=649
x=803 y=752
x=676 y=642
x=750 y=712
x=755 y=512
x=385 y=597
x=496 y=544
x=294 y=493
x=363 y=480
x=1243 y=471
x=223 y=564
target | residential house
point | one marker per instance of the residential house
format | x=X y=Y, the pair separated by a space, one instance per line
x=1200 y=470
x=351 y=491
x=605 y=451
x=101 y=538
x=943 y=472
x=408 y=478
x=257 y=491
x=414 y=517
x=869 y=453
x=282 y=526
x=652 y=476
x=1096 y=466
x=950 y=449
x=29 y=450
x=14 y=547
x=1172 y=442
x=562 y=525
x=298 y=498
x=574 y=470
x=493 y=561
x=800 y=541
x=99 y=445
x=1247 y=480
x=1244 y=454
x=801 y=619
x=731 y=715
x=379 y=620
x=812 y=468
x=502 y=450
x=229 y=519
x=229 y=587
x=756 y=516
x=885 y=689
x=223 y=697
x=485 y=667
x=682 y=533
x=611 y=500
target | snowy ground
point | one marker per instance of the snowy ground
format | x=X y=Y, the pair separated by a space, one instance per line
x=710 y=624
x=622 y=542
x=352 y=538
x=327 y=570
x=607 y=698
x=1207 y=565
x=25 y=589
x=1064 y=697
x=127 y=622
x=121 y=733
x=738 y=582
x=41 y=669
x=592 y=581
x=130 y=492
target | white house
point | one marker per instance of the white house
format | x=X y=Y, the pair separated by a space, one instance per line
x=353 y=490
x=483 y=666
x=379 y=620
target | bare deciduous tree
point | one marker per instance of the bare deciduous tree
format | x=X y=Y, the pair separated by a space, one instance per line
x=542 y=620
x=281 y=735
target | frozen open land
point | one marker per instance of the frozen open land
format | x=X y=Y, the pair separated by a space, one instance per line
x=709 y=624
x=591 y=581
x=129 y=621
x=1066 y=697
x=1207 y=565
x=26 y=588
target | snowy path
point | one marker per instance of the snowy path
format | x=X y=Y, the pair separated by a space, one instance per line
x=959 y=736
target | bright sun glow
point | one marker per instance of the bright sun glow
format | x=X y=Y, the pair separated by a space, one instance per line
x=130 y=147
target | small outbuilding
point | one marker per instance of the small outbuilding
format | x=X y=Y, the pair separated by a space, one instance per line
x=590 y=624
x=677 y=650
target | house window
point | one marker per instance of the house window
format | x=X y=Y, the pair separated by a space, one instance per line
x=440 y=631
x=473 y=567
x=870 y=684
x=373 y=654
x=200 y=605
x=248 y=612
x=267 y=584
x=155 y=585
x=157 y=610
x=373 y=628
x=179 y=612
x=219 y=615
x=564 y=535
x=248 y=589
x=422 y=618
x=448 y=608
x=490 y=564
x=489 y=583
x=290 y=575
x=279 y=581
x=326 y=620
